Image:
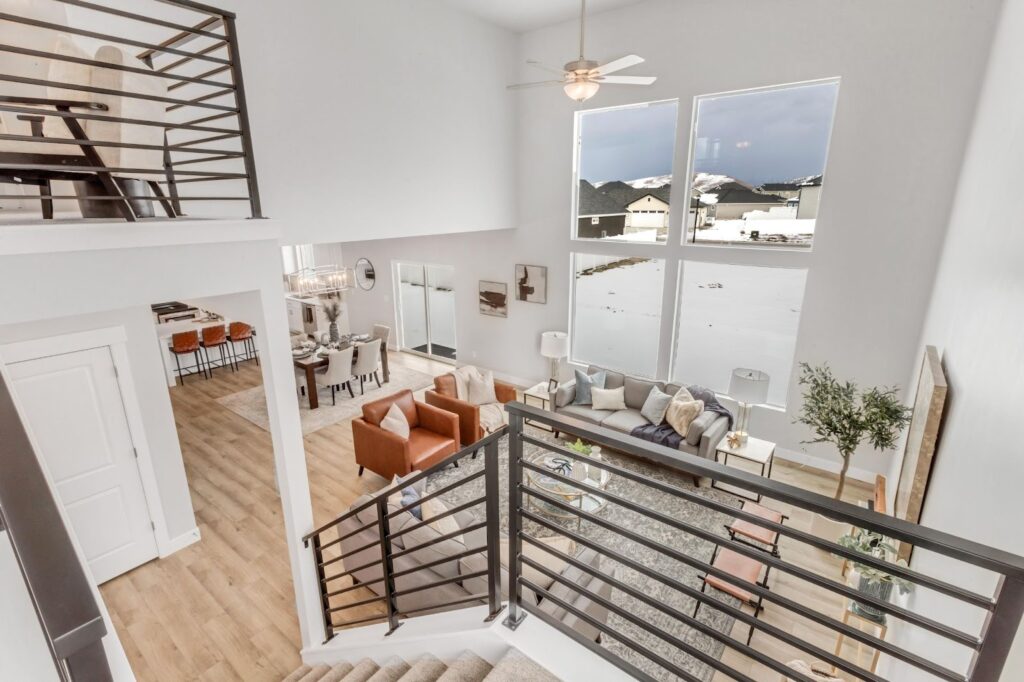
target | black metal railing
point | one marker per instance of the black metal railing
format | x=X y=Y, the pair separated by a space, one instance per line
x=665 y=648
x=70 y=115
x=381 y=572
x=59 y=588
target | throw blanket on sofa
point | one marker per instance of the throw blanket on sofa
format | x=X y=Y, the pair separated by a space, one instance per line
x=659 y=434
x=711 y=403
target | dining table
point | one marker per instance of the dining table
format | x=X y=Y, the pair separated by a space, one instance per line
x=314 y=361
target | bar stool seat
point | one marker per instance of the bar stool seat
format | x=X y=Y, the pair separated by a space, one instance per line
x=752 y=531
x=240 y=332
x=185 y=343
x=216 y=337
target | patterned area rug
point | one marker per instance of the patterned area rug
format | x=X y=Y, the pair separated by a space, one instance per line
x=670 y=505
x=252 y=403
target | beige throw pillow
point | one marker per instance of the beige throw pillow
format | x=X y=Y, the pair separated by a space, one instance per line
x=680 y=413
x=444 y=525
x=481 y=388
x=395 y=422
x=608 y=398
x=683 y=394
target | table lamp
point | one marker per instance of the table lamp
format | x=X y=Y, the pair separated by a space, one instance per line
x=554 y=346
x=747 y=387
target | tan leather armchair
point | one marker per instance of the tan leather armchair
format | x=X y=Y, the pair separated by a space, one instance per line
x=433 y=436
x=444 y=397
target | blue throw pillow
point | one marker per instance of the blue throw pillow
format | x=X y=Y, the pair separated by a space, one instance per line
x=410 y=496
x=584 y=382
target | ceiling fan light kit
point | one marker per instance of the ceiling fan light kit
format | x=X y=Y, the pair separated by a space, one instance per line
x=582 y=78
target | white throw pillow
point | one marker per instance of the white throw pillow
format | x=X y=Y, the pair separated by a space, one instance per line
x=481 y=388
x=462 y=375
x=608 y=398
x=681 y=414
x=395 y=422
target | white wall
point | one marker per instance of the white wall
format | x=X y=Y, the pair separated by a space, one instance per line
x=909 y=71
x=976 y=320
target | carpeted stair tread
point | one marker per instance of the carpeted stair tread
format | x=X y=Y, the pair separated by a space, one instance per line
x=338 y=672
x=298 y=673
x=362 y=671
x=514 y=666
x=392 y=670
x=427 y=668
x=468 y=667
x=316 y=673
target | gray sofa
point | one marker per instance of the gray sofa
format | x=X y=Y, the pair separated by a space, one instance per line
x=703 y=436
x=461 y=589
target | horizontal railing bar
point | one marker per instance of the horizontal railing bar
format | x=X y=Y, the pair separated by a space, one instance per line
x=439 y=583
x=448 y=512
x=197 y=101
x=707 y=600
x=376 y=542
x=483 y=596
x=201 y=54
x=212 y=117
x=438 y=562
x=361 y=621
x=775 y=562
x=783 y=529
x=439 y=539
x=346 y=536
x=199 y=7
x=691 y=622
x=200 y=79
x=203 y=140
x=604 y=628
x=148 y=20
x=387 y=492
x=754 y=588
x=70 y=197
x=187 y=180
x=118 y=145
x=361 y=602
x=4 y=16
x=690 y=650
x=108 y=91
x=105 y=169
x=209 y=159
x=436 y=493
x=115 y=119
x=351 y=571
x=944 y=543
x=184 y=80
x=351 y=588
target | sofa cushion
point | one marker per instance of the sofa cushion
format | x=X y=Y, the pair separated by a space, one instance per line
x=612 y=379
x=439 y=550
x=427 y=446
x=699 y=425
x=609 y=398
x=672 y=389
x=565 y=394
x=586 y=413
x=625 y=420
x=584 y=384
x=637 y=391
x=656 y=406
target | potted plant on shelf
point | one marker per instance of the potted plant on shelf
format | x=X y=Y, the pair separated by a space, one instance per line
x=841 y=414
x=872 y=581
x=332 y=311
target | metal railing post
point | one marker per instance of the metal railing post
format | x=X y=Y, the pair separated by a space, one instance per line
x=493 y=505
x=387 y=564
x=243 y=117
x=999 y=631
x=515 y=504
x=321 y=577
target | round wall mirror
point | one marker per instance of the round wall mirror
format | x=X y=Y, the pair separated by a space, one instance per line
x=365 y=275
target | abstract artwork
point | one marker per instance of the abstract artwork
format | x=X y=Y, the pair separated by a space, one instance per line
x=922 y=439
x=494 y=298
x=532 y=283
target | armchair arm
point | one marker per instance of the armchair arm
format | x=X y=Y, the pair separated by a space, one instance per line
x=469 y=415
x=439 y=421
x=505 y=392
x=563 y=394
x=381 y=451
x=712 y=436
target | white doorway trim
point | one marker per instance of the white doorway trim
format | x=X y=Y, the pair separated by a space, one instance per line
x=114 y=338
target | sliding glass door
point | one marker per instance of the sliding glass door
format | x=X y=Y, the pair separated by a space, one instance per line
x=427 y=309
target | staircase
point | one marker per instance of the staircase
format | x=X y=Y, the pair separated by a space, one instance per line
x=514 y=666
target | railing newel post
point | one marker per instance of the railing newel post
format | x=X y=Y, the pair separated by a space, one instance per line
x=387 y=564
x=999 y=631
x=493 y=506
x=515 y=505
x=321 y=579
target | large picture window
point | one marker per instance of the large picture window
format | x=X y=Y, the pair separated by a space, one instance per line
x=737 y=316
x=617 y=312
x=758 y=165
x=624 y=172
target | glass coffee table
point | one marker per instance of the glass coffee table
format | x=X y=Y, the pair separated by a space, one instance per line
x=576 y=495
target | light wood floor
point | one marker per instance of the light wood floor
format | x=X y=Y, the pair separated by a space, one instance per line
x=224 y=609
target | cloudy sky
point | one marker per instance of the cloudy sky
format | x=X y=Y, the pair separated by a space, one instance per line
x=766 y=136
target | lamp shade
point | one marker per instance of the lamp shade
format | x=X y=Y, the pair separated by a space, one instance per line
x=554 y=344
x=748 y=386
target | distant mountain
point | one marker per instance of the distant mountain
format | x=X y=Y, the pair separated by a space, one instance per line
x=652 y=182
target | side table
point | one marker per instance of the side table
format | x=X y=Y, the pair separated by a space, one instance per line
x=755 y=450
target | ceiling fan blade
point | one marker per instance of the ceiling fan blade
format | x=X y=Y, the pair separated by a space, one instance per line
x=545 y=67
x=618 y=65
x=538 y=84
x=627 y=80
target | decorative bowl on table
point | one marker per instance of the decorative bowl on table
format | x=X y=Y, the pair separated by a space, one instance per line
x=299 y=353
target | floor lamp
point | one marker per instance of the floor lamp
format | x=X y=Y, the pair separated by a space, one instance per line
x=554 y=346
x=747 y=387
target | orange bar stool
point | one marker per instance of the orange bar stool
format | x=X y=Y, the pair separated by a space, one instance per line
x=184 y=343
x=240 y=332
x=216 y=337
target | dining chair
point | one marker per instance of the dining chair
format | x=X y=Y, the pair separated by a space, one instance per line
x=240 y=332
x=216 y=337
x=338 y=373
x=367 y=359
x=185 y=343
x=382 y=332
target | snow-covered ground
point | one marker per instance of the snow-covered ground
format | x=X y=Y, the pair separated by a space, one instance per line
x=773 y=231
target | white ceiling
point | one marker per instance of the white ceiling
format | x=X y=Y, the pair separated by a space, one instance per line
x=526 y=15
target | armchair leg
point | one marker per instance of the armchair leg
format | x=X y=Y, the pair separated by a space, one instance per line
x=361 y=470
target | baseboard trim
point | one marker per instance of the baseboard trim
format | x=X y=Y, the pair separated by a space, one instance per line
x=180 y=542
x=831 y=466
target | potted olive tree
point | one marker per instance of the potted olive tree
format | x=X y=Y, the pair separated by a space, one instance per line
x=872 y=581
x=841 y=414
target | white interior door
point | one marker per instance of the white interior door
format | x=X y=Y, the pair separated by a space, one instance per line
x=73 y=407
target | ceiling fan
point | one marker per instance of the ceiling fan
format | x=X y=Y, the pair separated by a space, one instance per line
x=582 y=78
